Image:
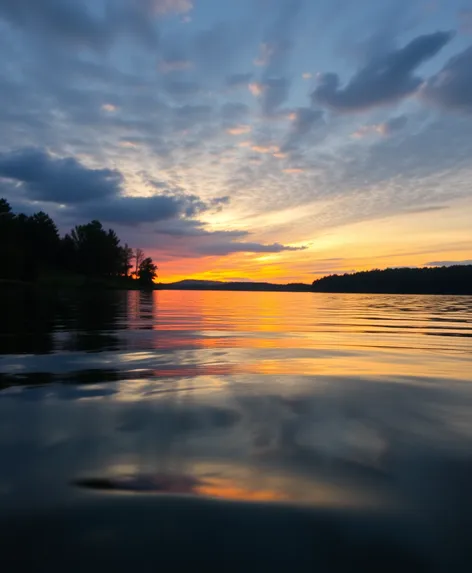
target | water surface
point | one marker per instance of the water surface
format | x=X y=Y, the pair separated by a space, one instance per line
x=236 y=431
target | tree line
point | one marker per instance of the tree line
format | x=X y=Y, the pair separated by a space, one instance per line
x=455 y=279
x=31 y=246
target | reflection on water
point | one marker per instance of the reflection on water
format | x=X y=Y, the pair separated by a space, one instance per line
x=353 y=410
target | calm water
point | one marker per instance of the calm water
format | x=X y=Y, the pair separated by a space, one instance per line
x=236 y=431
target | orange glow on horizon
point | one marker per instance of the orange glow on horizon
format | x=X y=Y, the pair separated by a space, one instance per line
x=227 y=489
x=411 y=239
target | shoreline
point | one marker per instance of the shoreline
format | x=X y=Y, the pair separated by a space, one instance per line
x=100 y=285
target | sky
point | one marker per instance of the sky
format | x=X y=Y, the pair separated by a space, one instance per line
x=275 y=140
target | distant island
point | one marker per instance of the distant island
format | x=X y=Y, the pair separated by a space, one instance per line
x=455 y=280
x=234 y=286
x=429 y=280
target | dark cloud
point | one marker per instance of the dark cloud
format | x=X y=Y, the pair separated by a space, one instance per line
x=175 y=206
x=77 y=23
x=174 y=235
x=220 y=202
x=451 y=88
x=196 y=229
x=35 y=175
x=133 y=210
x=448 y=263
x=205 y=243
x=384 y=80
x=43 y=177
x=228 y=248
x=70 y=21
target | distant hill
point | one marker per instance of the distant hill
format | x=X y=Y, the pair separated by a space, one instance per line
x=233 y=286
x=431 y=280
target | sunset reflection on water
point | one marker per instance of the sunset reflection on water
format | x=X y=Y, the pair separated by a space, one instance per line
x=338 y=403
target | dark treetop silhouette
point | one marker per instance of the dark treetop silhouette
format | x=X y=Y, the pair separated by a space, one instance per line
x=31 y=247
x=431 y=280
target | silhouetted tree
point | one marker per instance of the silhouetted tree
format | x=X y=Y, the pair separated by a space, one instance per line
x=430 y=280
x=127 y=260
x=5 y=208
x=42 y=243
x=8 y=242
x=30 y=246
x=97 y=252
x=139 y=258
x=147 y=271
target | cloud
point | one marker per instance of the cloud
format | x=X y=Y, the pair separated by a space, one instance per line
x=239 y=80
x=181 y=89
x=394 y=124
x=256 y=88
x=134 y=210
x=387 y=128
x=186 y=116
x=382 y=81
x=278 y=42
x=44 y=177
x=303 y=119
x=169 y=6
x=267 y=51
x=173 y=237
x=109 y=107
x=95 y=193
x=448 y=263
x=108 y=82
x=264 y=149
x=451 y=88
x=70 y=21
x=194 y=228
x=228 y=248
x=234 y=111
x=239 y=130
x=293 y=170
x=76 y=24
x=273 y=92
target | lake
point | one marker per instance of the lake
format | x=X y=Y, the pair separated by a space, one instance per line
x=222 y=431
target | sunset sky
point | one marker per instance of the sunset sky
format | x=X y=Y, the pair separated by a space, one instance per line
x=274 y=140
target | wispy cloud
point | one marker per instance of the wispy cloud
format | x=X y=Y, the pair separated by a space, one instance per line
x=239 y=130
x=448 y=263
x=386 y=128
